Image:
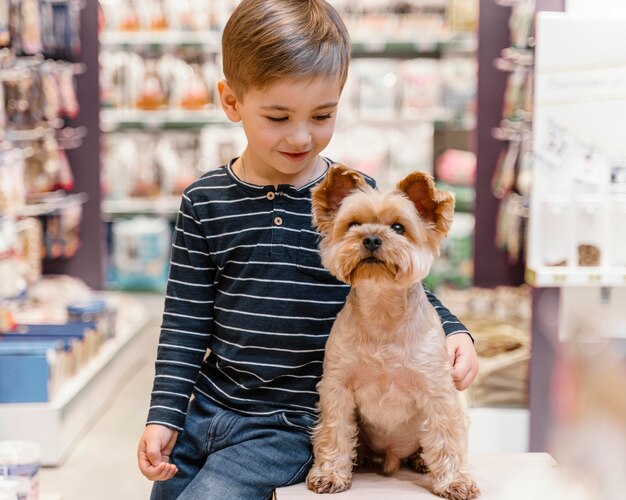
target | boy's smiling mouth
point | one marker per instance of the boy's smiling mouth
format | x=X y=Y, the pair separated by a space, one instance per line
x=295 y=156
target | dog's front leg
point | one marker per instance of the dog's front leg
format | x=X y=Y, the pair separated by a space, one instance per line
x=334 y=439
x=444 y=443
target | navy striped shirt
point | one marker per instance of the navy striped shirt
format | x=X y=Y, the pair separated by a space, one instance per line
x=249 y=306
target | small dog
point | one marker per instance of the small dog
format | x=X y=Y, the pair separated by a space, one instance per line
x=387 y=382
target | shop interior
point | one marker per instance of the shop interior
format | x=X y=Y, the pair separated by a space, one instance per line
x=108 y=111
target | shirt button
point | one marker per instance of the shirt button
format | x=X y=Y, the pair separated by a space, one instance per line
x=278 y=221
x=270 y=196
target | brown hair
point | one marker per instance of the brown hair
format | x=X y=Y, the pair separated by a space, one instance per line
x=267 y=40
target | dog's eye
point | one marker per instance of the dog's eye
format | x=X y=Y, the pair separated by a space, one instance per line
x=353 y=224
x=398 y=228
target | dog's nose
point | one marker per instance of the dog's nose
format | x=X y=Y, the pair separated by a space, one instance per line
x=372 y=243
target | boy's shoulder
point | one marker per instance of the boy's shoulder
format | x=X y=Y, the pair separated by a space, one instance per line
x=214 y=178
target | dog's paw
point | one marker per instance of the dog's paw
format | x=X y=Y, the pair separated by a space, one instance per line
x=416 y=462
x=324 y=480
x=462 y=487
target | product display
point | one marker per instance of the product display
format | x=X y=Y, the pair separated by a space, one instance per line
x=37 y=95
x=183 y=79
x=512 y=175
x=158 y=74
x=20 y=462
x=500 y=322
x=140 y=253
x=55 y=330
x=579 y=193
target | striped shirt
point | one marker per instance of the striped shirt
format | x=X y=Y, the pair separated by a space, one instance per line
x=249 y=306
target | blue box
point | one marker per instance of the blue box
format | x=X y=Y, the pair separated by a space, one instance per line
x=24 y=371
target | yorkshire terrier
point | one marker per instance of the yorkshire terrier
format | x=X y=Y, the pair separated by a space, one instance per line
x=387 y=388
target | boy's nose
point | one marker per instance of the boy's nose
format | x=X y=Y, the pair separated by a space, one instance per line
x=299 y=136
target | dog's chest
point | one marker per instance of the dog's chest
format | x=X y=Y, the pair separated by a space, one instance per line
x=386 y=382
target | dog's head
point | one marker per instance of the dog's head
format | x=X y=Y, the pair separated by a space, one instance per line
x=366 y=234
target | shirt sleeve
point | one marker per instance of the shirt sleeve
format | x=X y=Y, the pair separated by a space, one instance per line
x=187 y=320
x=451 y=324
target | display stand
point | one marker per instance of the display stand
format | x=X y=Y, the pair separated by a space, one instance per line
x=576 y=228
x=60 y=423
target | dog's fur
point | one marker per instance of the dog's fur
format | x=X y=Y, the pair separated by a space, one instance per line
x=387 y=383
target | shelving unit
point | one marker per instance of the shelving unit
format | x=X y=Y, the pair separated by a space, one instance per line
x=400 y=46
x=60 y=423
x=116 y=119
x=427 y=46
x=208 y=40
x=162 y=206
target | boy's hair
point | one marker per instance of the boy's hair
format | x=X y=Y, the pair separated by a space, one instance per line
x=268 y=40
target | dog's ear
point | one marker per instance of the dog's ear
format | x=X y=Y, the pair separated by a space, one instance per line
x=433 y=205
x=327 y=196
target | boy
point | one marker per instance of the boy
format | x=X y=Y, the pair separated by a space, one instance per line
x=246 y=282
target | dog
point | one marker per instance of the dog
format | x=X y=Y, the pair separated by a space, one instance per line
x=387 y=384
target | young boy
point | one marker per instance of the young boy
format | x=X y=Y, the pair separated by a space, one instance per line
x=246 y=283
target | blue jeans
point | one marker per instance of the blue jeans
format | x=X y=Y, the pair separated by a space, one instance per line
x=224 y=455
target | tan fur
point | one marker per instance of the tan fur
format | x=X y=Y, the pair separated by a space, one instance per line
x=387 y=385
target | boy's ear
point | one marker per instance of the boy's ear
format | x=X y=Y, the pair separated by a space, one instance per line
x=433 y=205
x=327 y=196
x=228 y=100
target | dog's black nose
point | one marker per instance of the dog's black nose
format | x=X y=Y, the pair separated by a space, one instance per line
x=372 y=243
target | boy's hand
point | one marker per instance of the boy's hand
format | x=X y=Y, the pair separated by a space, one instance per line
x=154 y=450
x=463 y=359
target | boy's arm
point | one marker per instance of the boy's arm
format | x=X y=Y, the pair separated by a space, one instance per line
x=187 y=320
x=461 y=352
x=451 y=324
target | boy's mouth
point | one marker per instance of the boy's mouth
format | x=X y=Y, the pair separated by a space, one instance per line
x=295 y=156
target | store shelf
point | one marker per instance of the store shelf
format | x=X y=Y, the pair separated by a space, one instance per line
x=58 y=425
x=49 y=204
x=166 y=205
x=458 y=43
x=565 y=276
x=441 y=118
x=112 y=119
x=431 y=46
x=209 y=40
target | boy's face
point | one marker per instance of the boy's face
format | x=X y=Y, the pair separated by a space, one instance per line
x=287 y=125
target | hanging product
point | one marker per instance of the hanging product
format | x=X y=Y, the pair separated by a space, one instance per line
x=61 y=228
x=141 y=252
x=12 y=283
x=5 y=33
x=12 y=186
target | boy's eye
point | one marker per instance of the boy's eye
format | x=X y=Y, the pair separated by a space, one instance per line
x=277 y=119
x=321 y=118
x=398 y=228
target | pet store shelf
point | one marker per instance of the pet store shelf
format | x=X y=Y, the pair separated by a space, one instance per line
x=112 y=119
x=562 y=276
x=207 y=39
x=58 y=425
x=441 y=118
x=49 y=204
x=456 y=43
x=166 y=205
x=451 y=43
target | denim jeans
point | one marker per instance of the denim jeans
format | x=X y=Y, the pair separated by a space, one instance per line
x=224 y=455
